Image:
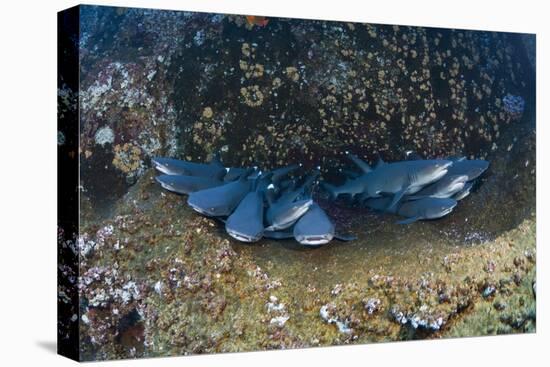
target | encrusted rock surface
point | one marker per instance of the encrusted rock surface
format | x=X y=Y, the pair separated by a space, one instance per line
x=156 y=279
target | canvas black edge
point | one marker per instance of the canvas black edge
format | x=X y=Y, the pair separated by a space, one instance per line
x=68 y=26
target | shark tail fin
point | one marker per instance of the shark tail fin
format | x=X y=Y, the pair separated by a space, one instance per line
x=331 y=189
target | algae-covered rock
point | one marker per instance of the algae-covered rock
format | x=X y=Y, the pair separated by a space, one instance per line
x=157 y=279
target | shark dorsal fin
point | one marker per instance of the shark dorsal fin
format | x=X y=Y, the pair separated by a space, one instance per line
x=380 y=161
x=359 y=162
x=262 y=182
x=270 y=194
x=412 y=156
x=216 y=161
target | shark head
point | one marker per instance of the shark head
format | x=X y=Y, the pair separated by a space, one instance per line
x=440 y=208
x=450 y=185
x=316 y=240
x=167 y=182
x=431 y=171
x=199 y=209
x=289 y=213
x=168 y=166
x=477 y=167
x=464 y=192
x=315 y=228
x=244 y=237
x=208 y=205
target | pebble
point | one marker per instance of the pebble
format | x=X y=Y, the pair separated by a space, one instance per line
x=372 y=305
x=489 y=291
x=279 y=321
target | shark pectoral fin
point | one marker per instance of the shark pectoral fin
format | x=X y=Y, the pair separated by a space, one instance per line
x=408 y=220
x=345 y=237
x=398 y=196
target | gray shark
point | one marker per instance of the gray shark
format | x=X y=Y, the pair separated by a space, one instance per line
x=279 y=235
x=349 y=173
x=314 y=228
x=286 y=185
x=279 y=184
x=363 y=166
x=407 y=177
x=271 y=194
x=187 y=184
x=355 y=181
x=280 y=173
x=293 y=192
x=425 y=208
x=399 y=179
x=351 y=187
x=285 y=211
x=289 y=233
x=171 y=166
x=444 y=188
x=380 y=204
x=283 y=215
x=233 y=173
x=411 y=155
x=222 y=200
x=246 y=223
x=464 y=192
x=473 y=168
x=421 y=209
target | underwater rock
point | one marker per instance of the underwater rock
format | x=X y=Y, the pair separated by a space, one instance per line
x=327 y=313
x=171 y=84
x=514 y=105
x=422 y=318
x=104 y=135
x=489 y=291
x=372 y=305
x=279 y=321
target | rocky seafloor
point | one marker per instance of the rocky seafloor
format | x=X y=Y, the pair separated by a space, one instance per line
x=157 y=279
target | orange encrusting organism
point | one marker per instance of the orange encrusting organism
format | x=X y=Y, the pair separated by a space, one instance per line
x=257 y=20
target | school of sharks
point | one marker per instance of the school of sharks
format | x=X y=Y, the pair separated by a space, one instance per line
x=279 y=204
